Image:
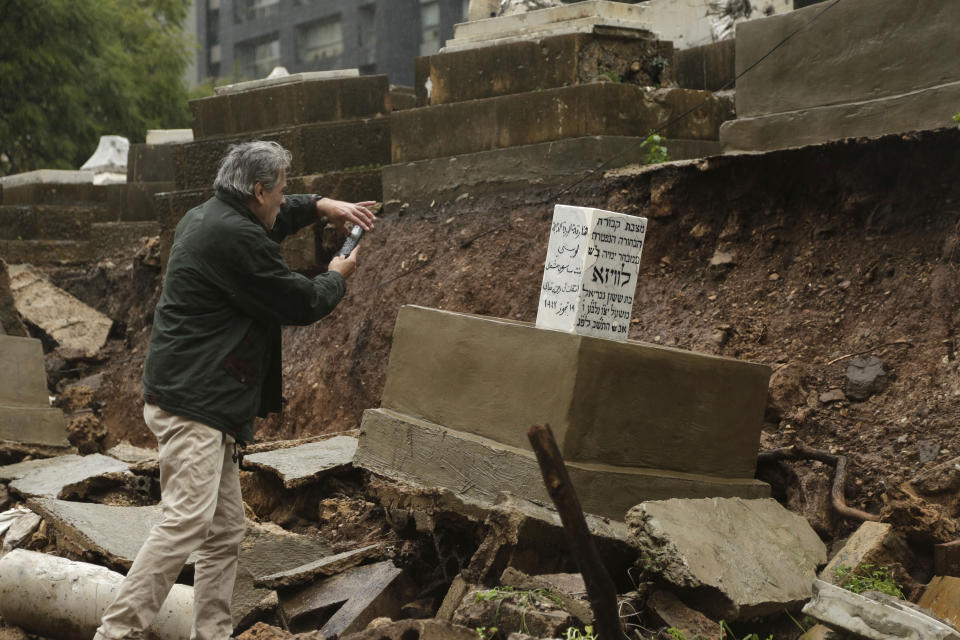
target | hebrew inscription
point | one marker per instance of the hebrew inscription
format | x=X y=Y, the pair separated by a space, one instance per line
x=590 y=274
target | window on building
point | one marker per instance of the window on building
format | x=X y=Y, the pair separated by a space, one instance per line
x=257 y=59
x=429 y=27
x=213 y=5
x=367 y=27
x=320 y=40
x=245 y=10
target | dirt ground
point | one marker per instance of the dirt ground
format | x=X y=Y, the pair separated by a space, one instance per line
x=833 y=251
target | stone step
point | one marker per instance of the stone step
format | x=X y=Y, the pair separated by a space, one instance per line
x=150 y=163
x=315 y=148
x=588 y=10
x=290 y=104
x=546 y=163
x=547 y=63
x=37 y=222
x=47 y=251
x=55 y=193
x=602 y=109
x=479 y=469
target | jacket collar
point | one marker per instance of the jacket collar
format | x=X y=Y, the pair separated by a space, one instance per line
x=240 y=207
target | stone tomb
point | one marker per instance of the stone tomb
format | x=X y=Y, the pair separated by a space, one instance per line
x=25 y=412
x=634 y=421
x=590 y=273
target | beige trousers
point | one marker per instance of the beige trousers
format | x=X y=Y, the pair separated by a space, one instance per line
x=202 y=512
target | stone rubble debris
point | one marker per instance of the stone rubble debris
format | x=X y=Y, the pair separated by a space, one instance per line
x=60 y=476
x=78 y=330
x=872 y=619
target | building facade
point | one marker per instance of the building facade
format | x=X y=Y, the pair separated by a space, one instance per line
x=248 y=38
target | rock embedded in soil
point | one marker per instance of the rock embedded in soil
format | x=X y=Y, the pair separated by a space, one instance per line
x=865 y=377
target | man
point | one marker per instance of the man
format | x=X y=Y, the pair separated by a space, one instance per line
x=213 y=365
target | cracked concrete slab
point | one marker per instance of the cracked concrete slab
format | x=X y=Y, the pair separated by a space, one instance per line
x=301 y=465
x=359 y=595
x=329 y=566
x=115 y=534
x=735 y=558
x=59 y=476
x=79 y=330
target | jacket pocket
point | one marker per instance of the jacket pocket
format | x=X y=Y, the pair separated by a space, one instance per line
x=243 y=363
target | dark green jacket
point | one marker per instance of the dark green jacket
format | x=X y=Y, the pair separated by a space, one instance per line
x=214 y=351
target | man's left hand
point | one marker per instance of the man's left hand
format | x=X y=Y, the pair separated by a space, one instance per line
x=339 y=213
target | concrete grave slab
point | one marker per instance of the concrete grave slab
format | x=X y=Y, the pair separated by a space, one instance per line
x=862 y=78
x=79 y=330
x=328 y=566
x=942 y=598
x=250 y=85
x=590 y=273
x=25 y=412
x=169 y=136
x=304 y=464
x=358 y=595
x=608 y=109
x=478 y=470
x=53 y=477
x=47 y=176
x=871 y=619
x=617 y=405
x=289 y=104
x=733 y=558
x=117 y=533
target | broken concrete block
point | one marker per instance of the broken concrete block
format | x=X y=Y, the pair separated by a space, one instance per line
x=873 y=543
x=328 y=566
x=10 y=322
x=874 y=620
x=534 y=612
x=362 y=593
x=58 y=598
x=131 y=454
x=821 y=632
x=79 y=330
x=304 y=464
x=458 y=589
x=20 y=531
x=734 y=558
x=568 y=588
x=946 y=559
x=60 y=476
x=670 y=611
x=942 y=598
x=420 y=629
x=25 y=412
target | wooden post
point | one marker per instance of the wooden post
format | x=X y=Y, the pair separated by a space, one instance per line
x=601 y=591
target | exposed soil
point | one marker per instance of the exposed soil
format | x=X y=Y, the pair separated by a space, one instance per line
x=836 y=250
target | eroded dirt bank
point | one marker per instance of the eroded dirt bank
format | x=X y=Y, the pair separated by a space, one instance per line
x=822 y=252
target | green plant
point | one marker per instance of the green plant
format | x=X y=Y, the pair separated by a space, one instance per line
x=613 y=76
x=655 y=151
x=956 y=119
x=866 y=577
x=522 y=598
x=486 y=633
x=660 y=63
x=575 y=634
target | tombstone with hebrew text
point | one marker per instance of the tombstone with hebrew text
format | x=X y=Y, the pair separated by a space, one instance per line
x=590 y=275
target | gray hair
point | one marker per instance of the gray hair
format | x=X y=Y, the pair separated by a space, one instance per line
x=247 y=164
